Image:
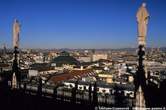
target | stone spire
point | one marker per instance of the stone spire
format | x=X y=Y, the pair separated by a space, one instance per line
x=14 y=81
x=140 y=79
x=15 y=68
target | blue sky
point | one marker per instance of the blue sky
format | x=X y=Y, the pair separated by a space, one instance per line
x=81 y=23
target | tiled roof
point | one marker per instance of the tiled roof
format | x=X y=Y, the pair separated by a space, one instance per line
x=73 y=74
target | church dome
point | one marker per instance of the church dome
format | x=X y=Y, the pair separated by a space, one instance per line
x=65 y=58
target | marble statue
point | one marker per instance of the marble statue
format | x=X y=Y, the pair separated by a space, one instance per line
x=142 y=19
x=16 y=32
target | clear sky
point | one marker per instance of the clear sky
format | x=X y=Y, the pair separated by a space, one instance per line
x=81 y=23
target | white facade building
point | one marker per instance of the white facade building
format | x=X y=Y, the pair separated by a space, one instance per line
x=96 y=57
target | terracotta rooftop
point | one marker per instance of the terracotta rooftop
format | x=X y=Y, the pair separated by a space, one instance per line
x=73 y=74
